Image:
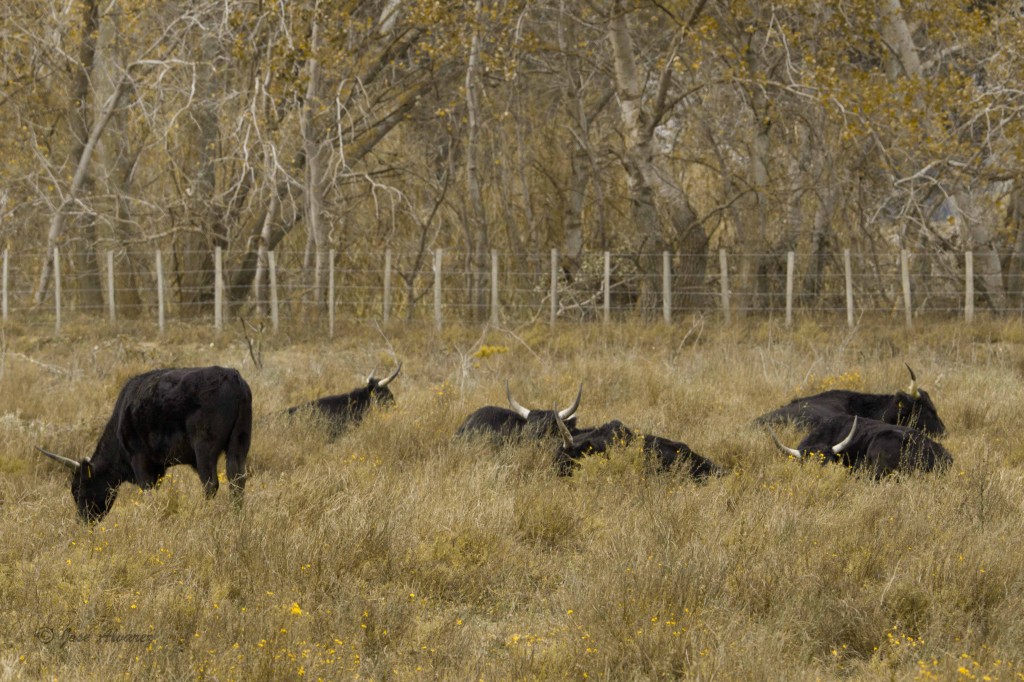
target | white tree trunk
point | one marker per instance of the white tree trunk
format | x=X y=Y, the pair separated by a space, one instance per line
x=977 y=224
x=316 y=244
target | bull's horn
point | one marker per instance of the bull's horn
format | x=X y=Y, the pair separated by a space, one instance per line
x=789 y=451
x=63 y=460
x=516 y=407
x=384 y=382
x=913 y=382
x=369 y=377
x=571 y=410
x=841 y=445
x=567 y=439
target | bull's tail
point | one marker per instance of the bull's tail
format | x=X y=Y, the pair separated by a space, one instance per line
x=240 y=438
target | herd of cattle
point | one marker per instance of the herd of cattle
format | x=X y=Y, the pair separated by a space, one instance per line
x=192 y=415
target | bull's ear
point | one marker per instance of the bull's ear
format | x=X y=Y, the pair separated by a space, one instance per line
x=86 y=468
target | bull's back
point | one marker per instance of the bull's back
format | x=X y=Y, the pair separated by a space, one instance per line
x=811 y=411
x=491 y=420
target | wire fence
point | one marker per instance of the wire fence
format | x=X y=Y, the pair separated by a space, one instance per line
x=504 y=288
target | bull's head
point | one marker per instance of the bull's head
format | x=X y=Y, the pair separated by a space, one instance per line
x=566 y=414
x=93 y=494
x=542 y=422
x=836 y=449
x=914 y=407
x=567 y=455
x=379 y=390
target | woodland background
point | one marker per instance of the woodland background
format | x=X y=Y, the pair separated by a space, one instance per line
x=520 y=126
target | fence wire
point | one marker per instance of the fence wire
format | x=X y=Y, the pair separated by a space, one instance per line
x=530 y=287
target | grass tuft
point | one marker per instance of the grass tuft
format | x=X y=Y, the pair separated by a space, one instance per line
x=395 y=551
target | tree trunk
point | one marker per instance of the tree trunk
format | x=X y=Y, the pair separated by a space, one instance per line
x=316 y=151
x=988 y=272
x=1015 y=268
x=752 y=231
x=638 y=155
x=652 y=188
x=579 y=158
x=195 y=257
x=475 y=216
x=979 y=232
x=58 y=224
x=90 y=293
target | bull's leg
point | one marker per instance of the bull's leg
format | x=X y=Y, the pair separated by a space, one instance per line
x=147 y=471
x=236 y=473
x=206 y=465
x=237 y=451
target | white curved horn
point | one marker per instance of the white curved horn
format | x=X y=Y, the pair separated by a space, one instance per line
x=516 y=407
x=571 y=410
x=384 y=382
x=70 y=463
x=841 y=445
x=567 y=439
x=789 y=451
x=913 y=382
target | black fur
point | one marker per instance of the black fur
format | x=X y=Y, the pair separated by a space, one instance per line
x=664 y=452
x=900 y=408
x=347 y=409
x=167 y=417
x=877 y=447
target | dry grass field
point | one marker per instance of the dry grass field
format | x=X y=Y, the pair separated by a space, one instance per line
x=393 y=552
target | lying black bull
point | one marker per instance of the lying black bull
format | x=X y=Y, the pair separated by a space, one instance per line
x=668 y=453
x=871 y=445
x=350 y=408
x=911 y=408
x=162 y=418
x=502 y=423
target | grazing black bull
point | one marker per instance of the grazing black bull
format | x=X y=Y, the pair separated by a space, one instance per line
x=871 y=445
x=162 y=418
x=501 y=423
x=350 y=408
x=913 y=407
x=668 y=453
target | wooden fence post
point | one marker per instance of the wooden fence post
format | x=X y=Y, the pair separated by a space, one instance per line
x=160 y=303
x=56 y=285
x=969 y=286
x=218 y=289
x=438 y=256
x=554 y=285
x=5 y=278
x=111 y=305
x=330 y=293
x=272 y=268
x=790 y=266
x=723 y=267
x=666 y=286
x=848 y=268
x=607 y=287
x=387 y=284
x=905 y=277
x=494 y=287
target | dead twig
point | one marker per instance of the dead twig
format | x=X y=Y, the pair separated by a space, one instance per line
x=255 y=353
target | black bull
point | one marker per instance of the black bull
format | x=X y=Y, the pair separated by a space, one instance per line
x=162 y=418
x=667 y=453
x=349 y=408
x=913 y=407
x=871 y=445
x=501 y=423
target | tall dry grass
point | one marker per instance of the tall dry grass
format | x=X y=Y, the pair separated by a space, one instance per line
x=393 y=552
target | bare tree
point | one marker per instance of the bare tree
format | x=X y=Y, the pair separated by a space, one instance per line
x=650 y=184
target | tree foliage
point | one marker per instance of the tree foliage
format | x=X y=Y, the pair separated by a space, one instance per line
x=620 y=124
